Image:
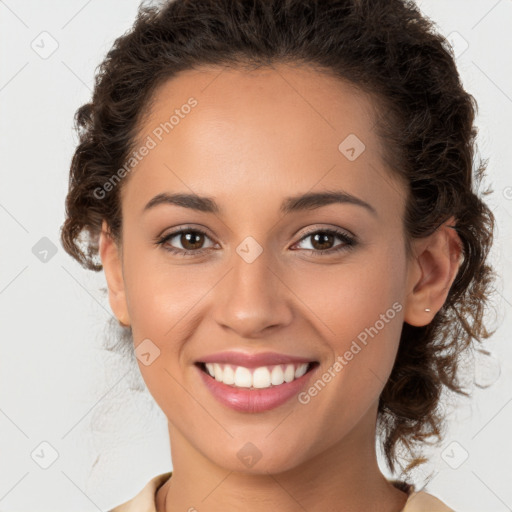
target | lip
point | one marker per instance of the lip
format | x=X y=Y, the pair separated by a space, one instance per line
x=253 y=360
x=255 y=400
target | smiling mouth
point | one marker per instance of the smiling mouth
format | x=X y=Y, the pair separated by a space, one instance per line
x=262 y=377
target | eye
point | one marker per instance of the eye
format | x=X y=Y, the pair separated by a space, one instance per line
x=323 y=239
x=190 y=239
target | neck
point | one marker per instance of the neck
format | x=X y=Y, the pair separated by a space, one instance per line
x=346 y=477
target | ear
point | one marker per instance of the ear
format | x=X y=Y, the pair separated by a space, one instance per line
x=431 y=272
x=112 y=266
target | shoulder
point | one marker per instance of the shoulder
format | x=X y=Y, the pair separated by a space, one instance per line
x=422 y=501
x=144 y=501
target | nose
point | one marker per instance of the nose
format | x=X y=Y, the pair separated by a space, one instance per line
x=253 y=298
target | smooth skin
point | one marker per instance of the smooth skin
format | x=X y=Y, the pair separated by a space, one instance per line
x=254 y=139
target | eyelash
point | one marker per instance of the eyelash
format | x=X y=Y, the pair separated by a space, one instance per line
x=349 y=242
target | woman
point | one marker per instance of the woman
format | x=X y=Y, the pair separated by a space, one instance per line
x=280 y=196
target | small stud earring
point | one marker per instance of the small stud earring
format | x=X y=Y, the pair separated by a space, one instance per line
x=427 y=310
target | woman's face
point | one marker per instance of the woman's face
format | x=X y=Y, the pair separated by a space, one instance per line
x=248 y=146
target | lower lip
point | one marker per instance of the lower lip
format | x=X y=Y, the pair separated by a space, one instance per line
x=254 y=400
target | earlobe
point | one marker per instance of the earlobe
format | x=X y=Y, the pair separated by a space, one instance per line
x=431 y=273
x=112 y=266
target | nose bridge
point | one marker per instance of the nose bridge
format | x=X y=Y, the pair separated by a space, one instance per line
x=251 y=297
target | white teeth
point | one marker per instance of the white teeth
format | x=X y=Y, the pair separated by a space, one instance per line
x=277 y=376
x=217 y=372
x=301 y=370
x=289 y=373
x=228 y=377
x=209 y=367
x=243 y=378
x=259 y=378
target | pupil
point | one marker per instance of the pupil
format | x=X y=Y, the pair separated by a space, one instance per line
x=187 y=238
x=322 y=244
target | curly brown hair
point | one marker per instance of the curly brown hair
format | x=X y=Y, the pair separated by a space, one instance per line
x=388 y=49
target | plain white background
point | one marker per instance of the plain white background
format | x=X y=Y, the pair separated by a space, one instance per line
x=65 y=402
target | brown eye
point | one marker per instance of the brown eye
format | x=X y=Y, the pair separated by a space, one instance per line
x=191 y=241
x=323 y=241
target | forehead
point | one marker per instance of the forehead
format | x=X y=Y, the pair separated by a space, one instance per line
x=218 y=131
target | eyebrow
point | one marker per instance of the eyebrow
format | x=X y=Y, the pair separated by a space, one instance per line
x=308 y=201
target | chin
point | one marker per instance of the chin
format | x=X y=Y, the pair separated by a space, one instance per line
x=250 y=460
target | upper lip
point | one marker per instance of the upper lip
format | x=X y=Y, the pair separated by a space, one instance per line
x=253 y=360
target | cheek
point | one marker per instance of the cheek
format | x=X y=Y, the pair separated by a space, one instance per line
x=358 y=311
x=164 y=298
x=350 y=297
x=162 y=301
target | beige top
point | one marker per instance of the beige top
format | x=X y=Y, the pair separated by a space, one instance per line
x=420 y=501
